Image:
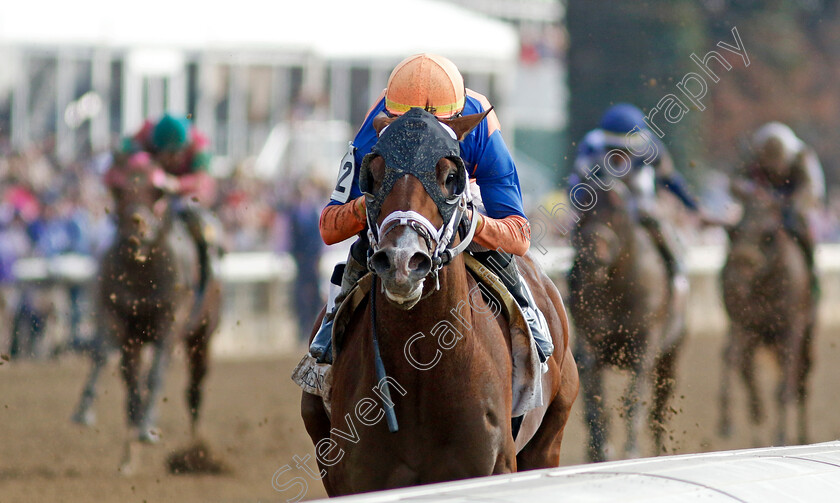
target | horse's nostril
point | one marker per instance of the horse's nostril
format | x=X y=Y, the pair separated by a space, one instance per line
x=420 y=263
x=380 y=262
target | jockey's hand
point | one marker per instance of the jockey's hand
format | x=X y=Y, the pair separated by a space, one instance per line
x=471 y=213
x=164 y=181
x=708 y=220
x=742 y=188
x=361 y=207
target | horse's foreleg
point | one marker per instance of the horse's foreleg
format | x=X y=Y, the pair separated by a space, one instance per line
x=197 y=352
x=789 y=362
x=130 y=366
x=802 y=413
x=782 y=403
x=729 y=360
x=154 y=387
x=744 y=353
x=99 y=356
x=543 y=451
x=591 y=375
x=802 y=386
x=637 y=391
x=317 y=424
x=662 y=392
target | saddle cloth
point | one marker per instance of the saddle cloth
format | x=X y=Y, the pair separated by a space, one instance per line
x=315 y=378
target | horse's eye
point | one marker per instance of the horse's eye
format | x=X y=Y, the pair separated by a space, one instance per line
x=450 y=182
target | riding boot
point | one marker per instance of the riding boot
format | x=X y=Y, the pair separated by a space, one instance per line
x=344 y=278
x=666 y=243
x=194 y=220
x=797 y=227
x=807 y=246
x=505 y=267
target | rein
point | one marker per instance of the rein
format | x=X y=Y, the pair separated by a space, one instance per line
x=379 y=368
x=412 y=145
x=442 y=255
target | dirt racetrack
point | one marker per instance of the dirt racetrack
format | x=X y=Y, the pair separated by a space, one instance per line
x=251 y=421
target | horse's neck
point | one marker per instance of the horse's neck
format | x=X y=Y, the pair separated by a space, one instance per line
x=627 y=233
x=155 y=256
x=785 y=257
x=634 y=245
x=450 y=305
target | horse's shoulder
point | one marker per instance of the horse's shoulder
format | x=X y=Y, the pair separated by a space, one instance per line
x=534 y=274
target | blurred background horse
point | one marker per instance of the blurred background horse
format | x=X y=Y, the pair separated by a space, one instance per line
x=770 y=303
x=622 y=309
x=149 y=292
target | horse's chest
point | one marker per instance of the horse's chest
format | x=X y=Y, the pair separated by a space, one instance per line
x=439 y=450
x=445 y=432
x=139 y=295
x=135 y=306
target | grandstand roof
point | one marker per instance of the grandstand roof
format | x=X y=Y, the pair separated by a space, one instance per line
x=358 y=29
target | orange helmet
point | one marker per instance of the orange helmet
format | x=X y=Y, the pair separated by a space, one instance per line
x=427 y=81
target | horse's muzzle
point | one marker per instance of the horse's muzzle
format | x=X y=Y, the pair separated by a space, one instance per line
x=402 y=270
x=140 y=227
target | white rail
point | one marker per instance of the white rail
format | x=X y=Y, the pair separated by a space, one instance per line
x=806 y=473
x=266 y=266
x=257 y=320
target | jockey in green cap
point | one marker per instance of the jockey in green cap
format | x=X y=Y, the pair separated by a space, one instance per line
x=184 y=157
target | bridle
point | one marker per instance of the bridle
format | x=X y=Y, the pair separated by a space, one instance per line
x=438 y=240
x=160 y=209
x=413 y=144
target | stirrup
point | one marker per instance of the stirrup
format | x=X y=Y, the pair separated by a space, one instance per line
x=321 y=346
x=540 y=332
x=536 y=322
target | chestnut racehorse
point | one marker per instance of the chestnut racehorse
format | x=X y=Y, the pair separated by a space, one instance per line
x=768 y=296
x=625 y=318
x=149 y=292
x=451 y=393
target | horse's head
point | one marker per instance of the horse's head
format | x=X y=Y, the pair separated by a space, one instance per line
x=755 y=239
x=417 y=191
x=140 y=206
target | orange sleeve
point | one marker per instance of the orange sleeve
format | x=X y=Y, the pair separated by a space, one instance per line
x=341 y=221
x=512 y=234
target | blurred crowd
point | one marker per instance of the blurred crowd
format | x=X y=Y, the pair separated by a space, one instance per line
x=60 y=213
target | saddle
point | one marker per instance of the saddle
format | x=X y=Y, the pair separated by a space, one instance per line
x=314 y=378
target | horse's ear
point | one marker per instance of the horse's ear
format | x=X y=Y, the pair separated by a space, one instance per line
x=382 y=121
x=466 y=123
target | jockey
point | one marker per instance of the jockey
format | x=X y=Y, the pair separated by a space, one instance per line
x=623 y=128
x=433 y=82
x=183 y=154
x=792 y=171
